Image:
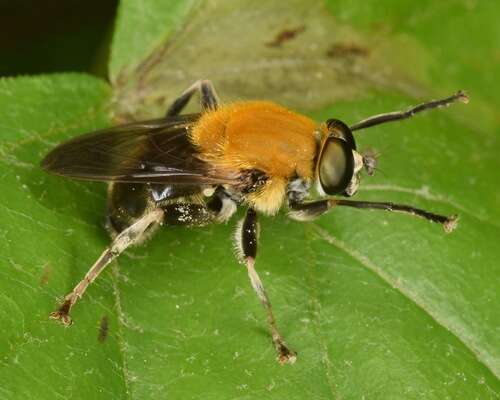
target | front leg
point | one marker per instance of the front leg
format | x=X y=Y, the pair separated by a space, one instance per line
x=308 y=211
x=246 y=240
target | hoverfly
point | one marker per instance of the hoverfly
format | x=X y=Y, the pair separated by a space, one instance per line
x=195 y=169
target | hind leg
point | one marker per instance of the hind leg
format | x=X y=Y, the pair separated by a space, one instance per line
x=132 y=217
x=129 y=236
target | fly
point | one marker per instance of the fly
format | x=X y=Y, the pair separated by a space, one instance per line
x=196 y=169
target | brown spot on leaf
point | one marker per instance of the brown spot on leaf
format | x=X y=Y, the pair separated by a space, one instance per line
x=161 y=100
x=47 y=270
x=285 y=35
x=298 y=76
x=103 y=329
x=343 y=50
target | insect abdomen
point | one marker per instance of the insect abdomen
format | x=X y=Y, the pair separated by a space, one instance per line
x=127 y=202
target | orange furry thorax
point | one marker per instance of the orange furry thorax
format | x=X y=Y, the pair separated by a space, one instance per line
x=259 y=135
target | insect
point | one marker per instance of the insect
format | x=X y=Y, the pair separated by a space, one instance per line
x=196 y=169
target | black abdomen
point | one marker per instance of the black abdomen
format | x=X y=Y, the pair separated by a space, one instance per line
x=127 y=202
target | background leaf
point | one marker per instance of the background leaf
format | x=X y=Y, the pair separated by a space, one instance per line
x=377 y=305
x=152 y=21
x=38 y=359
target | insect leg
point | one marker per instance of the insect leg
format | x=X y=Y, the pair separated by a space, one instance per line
x=246 y=237
x=126 y=238
x=397 y=115
x=208 y=98
x=219 y=208
x=310 y=210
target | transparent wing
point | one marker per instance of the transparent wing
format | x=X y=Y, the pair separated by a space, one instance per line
x=154 y=151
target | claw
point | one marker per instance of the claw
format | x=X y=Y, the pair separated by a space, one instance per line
x=62 y=317
x=451 y=223
x=62 y=313
x=285 y=355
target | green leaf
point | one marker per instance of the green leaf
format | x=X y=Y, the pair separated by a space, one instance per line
x=141 y=28
x=377 y=305
x=47 y=230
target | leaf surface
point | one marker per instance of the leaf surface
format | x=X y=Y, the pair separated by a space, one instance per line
x=377 y=305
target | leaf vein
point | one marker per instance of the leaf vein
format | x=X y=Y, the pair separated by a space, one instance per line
x=406 y=292
x=115 y=276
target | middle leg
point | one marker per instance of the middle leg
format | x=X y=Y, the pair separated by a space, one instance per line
x=246 y=238
x=208 y=98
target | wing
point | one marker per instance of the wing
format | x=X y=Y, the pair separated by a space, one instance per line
x=154 y=151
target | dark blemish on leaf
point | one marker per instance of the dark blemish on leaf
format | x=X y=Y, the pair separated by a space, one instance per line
x=103 y=329
x=285 y=35
x=47 y=270
x=343 y=50
x=160 y=101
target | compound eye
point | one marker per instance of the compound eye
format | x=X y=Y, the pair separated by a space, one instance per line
x=336 y=166
x=340 y=130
